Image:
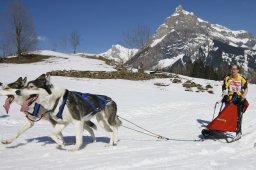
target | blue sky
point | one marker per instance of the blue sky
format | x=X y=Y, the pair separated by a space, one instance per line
x=101 y=23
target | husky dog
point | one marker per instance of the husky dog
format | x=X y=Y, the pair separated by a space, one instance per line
x=76 y=110
x=9 y=91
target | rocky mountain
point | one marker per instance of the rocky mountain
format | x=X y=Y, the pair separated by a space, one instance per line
x=184 y=39
x=119 y=53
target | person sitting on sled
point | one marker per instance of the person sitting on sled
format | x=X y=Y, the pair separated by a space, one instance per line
x=235 y=89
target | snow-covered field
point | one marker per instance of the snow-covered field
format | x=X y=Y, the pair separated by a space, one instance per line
x=169 y=111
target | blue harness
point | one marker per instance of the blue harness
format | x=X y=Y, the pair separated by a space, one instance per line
x=85 y=98
x=36 y=110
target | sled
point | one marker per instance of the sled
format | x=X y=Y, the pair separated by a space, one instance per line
x=225 y=122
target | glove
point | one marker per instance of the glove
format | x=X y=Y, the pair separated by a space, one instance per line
x=225 y=98
x=236 y=101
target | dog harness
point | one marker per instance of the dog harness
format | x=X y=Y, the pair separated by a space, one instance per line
x=36 y=110
x=35 y=113
x=86 y=98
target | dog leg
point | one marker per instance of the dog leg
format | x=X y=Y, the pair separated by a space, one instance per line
x=56 y=134
x=115 y=131
x=23 y=129
x=111 y=142
x=79 y=127
x=105 y=125
x=91 y=132
x=53 y=123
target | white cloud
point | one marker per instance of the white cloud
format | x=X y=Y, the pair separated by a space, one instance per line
x=41 y=38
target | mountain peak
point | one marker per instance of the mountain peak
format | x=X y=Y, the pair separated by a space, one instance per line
x=184 y=38
x=119 y=53
x=179 y=9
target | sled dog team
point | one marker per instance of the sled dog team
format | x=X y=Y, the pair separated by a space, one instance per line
x=41 y=99
x=61 y=107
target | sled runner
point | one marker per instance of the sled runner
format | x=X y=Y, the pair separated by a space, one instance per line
x=224 y=123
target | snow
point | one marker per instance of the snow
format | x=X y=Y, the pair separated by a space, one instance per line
x=231 y=39
x=220 y=28
x=168 y=61
x=239 y=32
x=201 y=20
x=169 y=111
x=164 y=25
x=59 y=61
x=86 y=54
x=231 y=35
x=175 y=14
x=244 y=46
x=179 y=10
x=226 y=57
x=119 y=53
x=172 y=30
x=13 y=56
x=156 y=41
x=233 y=44
x=187 y=13
x=245 y=64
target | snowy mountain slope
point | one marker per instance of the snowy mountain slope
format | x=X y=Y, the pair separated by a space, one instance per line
x=169 y=111
x=119 y=53
x=59 y=61
x=185 y=34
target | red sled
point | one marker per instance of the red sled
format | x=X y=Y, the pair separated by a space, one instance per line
x=227 y=119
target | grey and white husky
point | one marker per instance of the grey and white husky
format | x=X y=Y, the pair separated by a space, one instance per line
x=76 y=110
x=9 y=91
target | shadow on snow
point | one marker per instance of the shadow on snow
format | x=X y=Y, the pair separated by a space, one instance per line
x=69 y=140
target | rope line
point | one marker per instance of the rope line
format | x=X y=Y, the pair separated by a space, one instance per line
x=149 y=132
x=138 y=131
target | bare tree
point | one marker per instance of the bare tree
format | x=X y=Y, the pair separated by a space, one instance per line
x=137 y=38
x=74 y=40
x=21 y=29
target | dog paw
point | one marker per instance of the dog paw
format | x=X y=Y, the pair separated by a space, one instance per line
x=109 y=144
x=61 y=145
x=59 y=142
x=93 y=141
x=6 y=141
x=115 y=142
x=72 y=148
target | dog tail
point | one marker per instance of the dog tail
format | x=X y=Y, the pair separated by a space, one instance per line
x=113 y=119
x=91 y=124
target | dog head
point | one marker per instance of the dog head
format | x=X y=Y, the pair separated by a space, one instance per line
x=38 y=87
x=10 y=89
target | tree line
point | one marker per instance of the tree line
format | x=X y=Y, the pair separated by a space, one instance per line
x=200 y=69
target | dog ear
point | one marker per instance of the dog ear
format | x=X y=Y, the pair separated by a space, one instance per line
x=48 y=83
x=1 y=84
x=24 y=81
x=19 y=79
x=41 y=77
x=48 y=79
